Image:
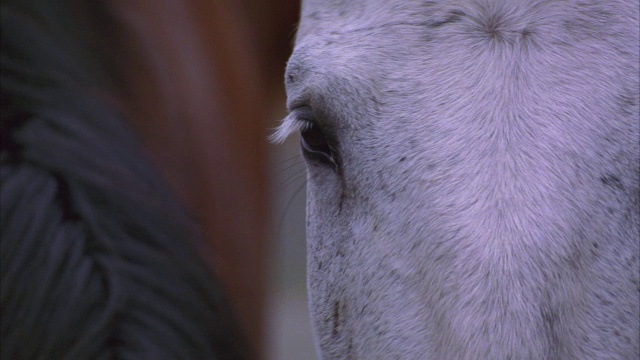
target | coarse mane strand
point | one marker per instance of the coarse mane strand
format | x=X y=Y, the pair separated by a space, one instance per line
x=97 y=259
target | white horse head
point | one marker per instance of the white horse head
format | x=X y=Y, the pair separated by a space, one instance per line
x=473 y=177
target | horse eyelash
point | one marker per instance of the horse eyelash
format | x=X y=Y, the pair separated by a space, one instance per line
x=288 y=126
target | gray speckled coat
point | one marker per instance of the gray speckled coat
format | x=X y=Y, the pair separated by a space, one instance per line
x=473 y=177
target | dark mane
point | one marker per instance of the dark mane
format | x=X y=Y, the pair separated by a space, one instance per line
x=98 y=260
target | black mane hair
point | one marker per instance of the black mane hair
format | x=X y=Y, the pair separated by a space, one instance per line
x=98 y=260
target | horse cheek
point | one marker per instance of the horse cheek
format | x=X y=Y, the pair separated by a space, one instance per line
x=326 y=264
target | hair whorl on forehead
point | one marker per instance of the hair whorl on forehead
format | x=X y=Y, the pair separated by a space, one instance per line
x=97 y=260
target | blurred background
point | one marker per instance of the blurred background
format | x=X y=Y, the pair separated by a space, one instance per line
x=203 y=83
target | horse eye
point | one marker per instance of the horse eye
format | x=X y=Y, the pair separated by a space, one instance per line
x=315 y=145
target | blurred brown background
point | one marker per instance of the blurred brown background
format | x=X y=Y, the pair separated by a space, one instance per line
x=203 y=83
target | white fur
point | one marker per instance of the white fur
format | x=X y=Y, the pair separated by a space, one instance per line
x=487 y=200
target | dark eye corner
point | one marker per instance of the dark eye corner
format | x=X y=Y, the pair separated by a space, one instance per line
x=316 y=146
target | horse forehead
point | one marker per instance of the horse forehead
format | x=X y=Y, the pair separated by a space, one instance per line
x=313 y=10
x=361 y=39
x=324 y=17
x=377 y=24
x=320 y=17
x=343 y=38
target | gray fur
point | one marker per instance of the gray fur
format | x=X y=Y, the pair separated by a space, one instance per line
x=487 y=202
